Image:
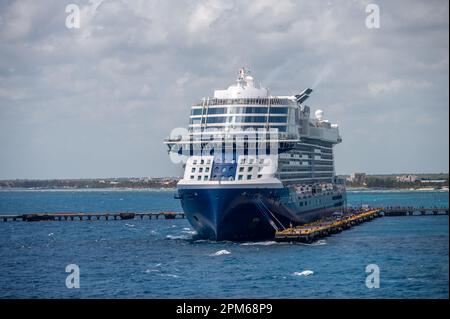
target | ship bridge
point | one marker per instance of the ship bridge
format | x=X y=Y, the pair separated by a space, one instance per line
x=243 y=106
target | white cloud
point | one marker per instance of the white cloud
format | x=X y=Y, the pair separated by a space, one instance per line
x=206 y=13
x=397 y=85
x=128 y=75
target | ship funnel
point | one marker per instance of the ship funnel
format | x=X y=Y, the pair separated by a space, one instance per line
x=303 y=96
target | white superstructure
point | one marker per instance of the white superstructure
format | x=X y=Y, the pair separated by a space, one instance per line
x=256 y=163
x=303 y=145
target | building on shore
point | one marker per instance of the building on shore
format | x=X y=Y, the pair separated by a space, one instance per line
x=407 y=178
x=358 y=178
x=433 y=181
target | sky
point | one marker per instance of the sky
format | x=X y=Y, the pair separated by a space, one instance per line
x=98 y=100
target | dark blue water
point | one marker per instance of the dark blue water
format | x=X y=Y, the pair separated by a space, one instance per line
x=159 y=259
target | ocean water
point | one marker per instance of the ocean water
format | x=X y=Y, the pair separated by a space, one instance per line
x=160 y=259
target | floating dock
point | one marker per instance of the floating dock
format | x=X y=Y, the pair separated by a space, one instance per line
x=311 y=232
x=90 y=216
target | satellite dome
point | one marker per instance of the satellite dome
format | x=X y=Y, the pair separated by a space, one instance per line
x=319 y=115
x=249 y=80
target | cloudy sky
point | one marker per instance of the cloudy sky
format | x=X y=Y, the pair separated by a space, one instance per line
x=97 y=101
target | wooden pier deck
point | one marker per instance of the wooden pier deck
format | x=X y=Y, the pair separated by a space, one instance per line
x=311 y=232
x=352 y=217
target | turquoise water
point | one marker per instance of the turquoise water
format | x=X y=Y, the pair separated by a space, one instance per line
x=159 y=258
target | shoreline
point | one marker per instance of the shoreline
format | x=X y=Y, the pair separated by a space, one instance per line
x=112 y=189
x=422 y=189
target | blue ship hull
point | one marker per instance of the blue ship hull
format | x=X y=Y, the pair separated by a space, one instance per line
x=241 y=214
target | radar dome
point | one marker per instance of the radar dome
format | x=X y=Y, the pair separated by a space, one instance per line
x=249 y=80
x=319 y=115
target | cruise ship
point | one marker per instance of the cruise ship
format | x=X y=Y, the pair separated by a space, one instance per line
x=256 y=163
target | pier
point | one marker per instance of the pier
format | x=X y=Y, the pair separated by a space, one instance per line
x=402 y=210
x=309 y=233
x=33 y=217
x=413 y=211
x=74 y=216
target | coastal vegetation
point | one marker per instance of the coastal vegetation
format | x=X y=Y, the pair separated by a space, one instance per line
x=135 y=183
x=435 y=181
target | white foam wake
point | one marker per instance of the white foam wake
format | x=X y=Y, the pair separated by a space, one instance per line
x=259 y=243
x=190 y=232
x=303 y=273
x=147 y=271
x=177 y=237
x=170 y=275
x=317 y=243
x=221 y=252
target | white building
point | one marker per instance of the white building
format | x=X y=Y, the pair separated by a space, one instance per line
x=407 y=178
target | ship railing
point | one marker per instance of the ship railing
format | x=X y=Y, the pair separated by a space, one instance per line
x=246 y=101
x=257 y=140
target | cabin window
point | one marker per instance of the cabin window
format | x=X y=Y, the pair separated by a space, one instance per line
x=196 y=112
x=195 y=120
